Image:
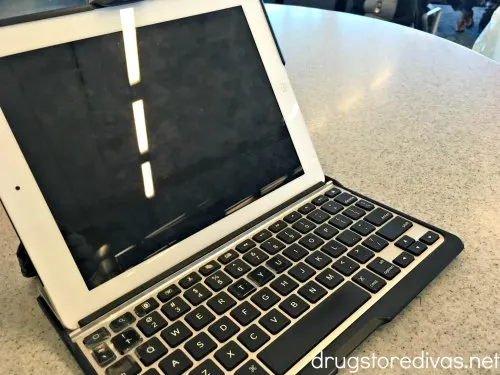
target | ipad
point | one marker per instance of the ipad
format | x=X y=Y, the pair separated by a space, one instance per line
x=133 y=137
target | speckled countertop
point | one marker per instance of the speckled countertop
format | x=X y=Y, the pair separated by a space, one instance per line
x=402 y=116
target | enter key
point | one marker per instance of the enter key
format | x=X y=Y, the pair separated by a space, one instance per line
x=394 y=228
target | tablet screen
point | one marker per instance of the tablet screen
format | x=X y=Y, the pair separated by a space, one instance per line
x=130 y=161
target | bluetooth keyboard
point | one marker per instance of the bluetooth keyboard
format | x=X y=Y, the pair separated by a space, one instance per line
x=268 y=302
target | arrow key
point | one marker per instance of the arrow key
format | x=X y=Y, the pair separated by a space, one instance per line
x=403 y=259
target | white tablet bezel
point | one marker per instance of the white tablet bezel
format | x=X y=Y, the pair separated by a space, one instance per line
x=27 y=208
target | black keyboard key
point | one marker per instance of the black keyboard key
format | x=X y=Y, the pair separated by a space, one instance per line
x=365 y=205
x=294 y=306
x=217 y=281
x=230 y=355
x=126 y=341
x=207 y=368
x=362 y=227
x=176 y=334
x=288 y=235
x=305 y=209
x=361 y=254
x=245 y=246
x=301 y=272
x=375 y=243
x=175 y=308
x=332 y=192
x=346 y=266
x=319 y=200
x=311 y=241
x=228 y=256
x=353 y=212
x=167 y=294
x=96 y=337
x=318 y=216
x=176 y=363
x=146 y=307
x=404 y=242
x=284 y=285
x=262 y=236
x=237 y=268
x=277 y=226
x=417 y=248
x=404 y=259
x=125 y=366
x=197 y=294
x=223 y=329
x=151 y=351
x=241 y=288
x=429 y=238
x=292 y=217
x=253 y=337
x=348 y=238
x=346 y=199
x=121 y=322
x=272 y=246
x=304 y=225
x=278 y=263
x=265 y=298
x=200 y=346
x=103 y=355
x=318 y=260
x=334 y=248
x=340 y=221
x=312 y=328
x=312 y=291
x=295 y=252
x=151 y=324
x=261 y=275
x=394 y=228
x=332 y=207
x=245 y=313
x=209 y=268
x=199 y=318
x=151 y=371
x=378 y=217
x=326 y=231
x=329 y=278
x=369 y=281
x=255 y=257
x=221 y=302
x=189 y=280
x=384 y=268
x=274 y=321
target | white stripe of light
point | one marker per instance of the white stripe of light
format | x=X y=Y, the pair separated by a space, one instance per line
x=147 y=177
x=130 y=43
x=140 y=126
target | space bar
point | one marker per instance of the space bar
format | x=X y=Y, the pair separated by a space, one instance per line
x=307 y=332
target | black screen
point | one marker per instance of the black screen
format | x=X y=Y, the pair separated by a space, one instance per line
x=216 y=137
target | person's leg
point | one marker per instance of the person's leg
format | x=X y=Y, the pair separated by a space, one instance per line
x=466 y=19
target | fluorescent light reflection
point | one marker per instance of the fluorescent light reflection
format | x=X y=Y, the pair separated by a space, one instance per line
x=140 y=126
x=273 y=185
x=237 y=206
x=130 y=44
x=147 y=176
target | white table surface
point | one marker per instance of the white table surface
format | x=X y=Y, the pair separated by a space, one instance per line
x=402 y=116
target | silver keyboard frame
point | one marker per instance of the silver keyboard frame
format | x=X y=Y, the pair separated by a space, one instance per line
x=389 y=253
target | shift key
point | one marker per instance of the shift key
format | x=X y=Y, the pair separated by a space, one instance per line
x=309 y=331
x=394 y=228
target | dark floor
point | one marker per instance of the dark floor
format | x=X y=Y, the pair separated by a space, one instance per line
x=447 y=23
